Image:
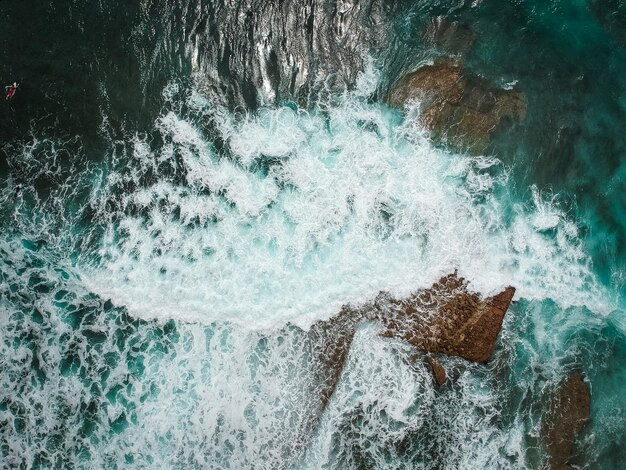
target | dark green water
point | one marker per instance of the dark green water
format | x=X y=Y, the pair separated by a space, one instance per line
x=182 y=181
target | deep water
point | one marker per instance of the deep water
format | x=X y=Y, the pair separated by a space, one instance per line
x=187 y=186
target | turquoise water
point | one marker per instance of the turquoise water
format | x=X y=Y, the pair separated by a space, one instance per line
x=166 y=252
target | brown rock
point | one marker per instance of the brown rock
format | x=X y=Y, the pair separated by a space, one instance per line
x=511 y=104
x=464 y=128
x=471 y=335
x=479 y=95
x=567 y=416
x=432 y=84
x=439 y=373
x=331 y=341
x=446 y=318
x=461 y=109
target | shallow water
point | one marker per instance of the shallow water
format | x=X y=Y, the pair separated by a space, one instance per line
x=188 y=206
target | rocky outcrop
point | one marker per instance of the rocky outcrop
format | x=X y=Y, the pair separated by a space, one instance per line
x=439 y=373
x=565 y=419
x=331 y=341
x=459 y=108
x=446 y=318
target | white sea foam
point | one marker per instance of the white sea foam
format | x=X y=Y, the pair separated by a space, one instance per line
x=351 y=202
x=194 y=397
x=387 y=412
x=219 y=396
x=222 y=396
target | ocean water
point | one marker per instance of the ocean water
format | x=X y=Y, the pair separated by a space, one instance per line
x=186 y=187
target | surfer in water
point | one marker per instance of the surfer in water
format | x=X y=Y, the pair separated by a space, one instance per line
x=11 y=90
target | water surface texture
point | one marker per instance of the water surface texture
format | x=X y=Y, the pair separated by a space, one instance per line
x=186 y=186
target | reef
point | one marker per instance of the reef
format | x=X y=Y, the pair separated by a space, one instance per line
x=567 y=415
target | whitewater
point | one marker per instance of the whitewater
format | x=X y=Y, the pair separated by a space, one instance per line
x=311 y=210
x=305 y=212
x=159 y=291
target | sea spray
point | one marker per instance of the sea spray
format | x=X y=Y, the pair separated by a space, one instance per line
x=351 y=200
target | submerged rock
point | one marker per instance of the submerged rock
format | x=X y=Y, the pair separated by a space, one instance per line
x=462 y=109
x=452 y=36
x=567 y=416
x=434 y=85
x=611 y=14
x=439 y=373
